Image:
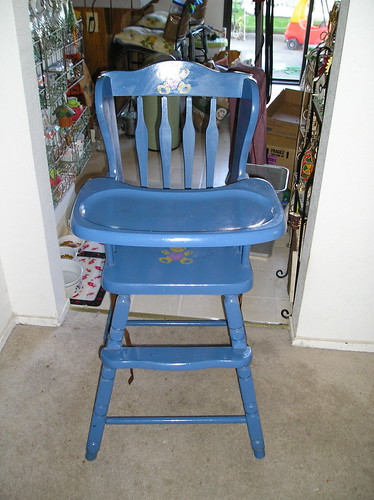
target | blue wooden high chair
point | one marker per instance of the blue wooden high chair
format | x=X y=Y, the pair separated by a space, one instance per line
x=184 y=240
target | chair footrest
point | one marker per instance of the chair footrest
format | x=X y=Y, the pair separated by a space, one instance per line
x=176 y=358
x=208 y=419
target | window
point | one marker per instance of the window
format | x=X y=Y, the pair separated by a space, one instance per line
x=285 y=24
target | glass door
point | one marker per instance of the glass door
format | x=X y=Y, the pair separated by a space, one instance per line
x=276 y=34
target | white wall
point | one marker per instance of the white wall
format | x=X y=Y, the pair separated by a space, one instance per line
x=7 y=322
x=31 y=280
x=336 y=306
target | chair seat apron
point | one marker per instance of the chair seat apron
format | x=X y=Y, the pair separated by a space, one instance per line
x=178 y=270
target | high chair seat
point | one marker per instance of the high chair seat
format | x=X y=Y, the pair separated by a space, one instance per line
x=175 y=241
x=238 y=214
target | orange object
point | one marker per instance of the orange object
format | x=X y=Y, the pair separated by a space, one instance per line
x=307 y=165
x=65 y=121
x=296 y=29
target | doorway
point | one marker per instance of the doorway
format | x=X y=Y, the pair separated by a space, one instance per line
x=276 y=34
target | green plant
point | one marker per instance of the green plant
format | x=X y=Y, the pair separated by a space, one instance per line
x=64 y=110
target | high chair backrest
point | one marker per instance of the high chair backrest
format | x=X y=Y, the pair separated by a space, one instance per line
x=188 y=81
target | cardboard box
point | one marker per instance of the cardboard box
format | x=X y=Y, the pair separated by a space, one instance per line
x=283 y=120
x=281 y=151
x=284 y=114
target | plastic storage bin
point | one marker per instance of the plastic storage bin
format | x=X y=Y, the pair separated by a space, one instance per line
x=278 y=178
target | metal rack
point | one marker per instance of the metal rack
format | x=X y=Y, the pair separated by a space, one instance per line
x=58 y=55
x=315 y=87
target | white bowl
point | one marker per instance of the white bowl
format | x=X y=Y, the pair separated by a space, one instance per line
x=73 y=272
x=72 y=241
x=68 y=253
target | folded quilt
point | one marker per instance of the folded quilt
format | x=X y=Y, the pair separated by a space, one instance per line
x=155 y=20
x=149 y=38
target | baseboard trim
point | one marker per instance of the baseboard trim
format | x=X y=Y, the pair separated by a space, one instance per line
x=338 y=345
x=37 y=321
x=334 y=344
x=43 y=321
x=32 y=321
x=5 y=334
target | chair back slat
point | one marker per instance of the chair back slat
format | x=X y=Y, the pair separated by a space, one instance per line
x=211 y=143
x=165 y=143
x=188 y=144
x=245 y=125
x=108 y=125
x=141 y=142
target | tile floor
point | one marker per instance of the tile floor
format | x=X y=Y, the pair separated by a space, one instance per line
x=268 y=297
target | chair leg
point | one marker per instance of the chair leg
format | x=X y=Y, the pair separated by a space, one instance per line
x=107 y=376
x=238 y=339
x=103 y=395
x=251 y=411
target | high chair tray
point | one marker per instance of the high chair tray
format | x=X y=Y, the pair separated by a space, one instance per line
x=113 y=212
